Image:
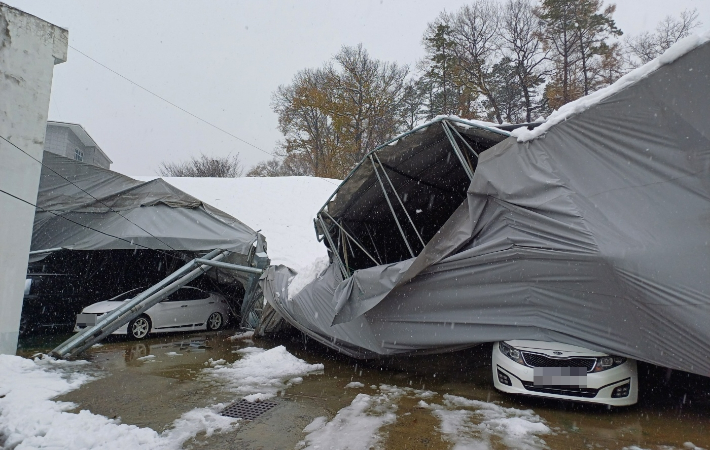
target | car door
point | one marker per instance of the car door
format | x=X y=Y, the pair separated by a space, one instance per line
x=197 y=306
x=172 y=312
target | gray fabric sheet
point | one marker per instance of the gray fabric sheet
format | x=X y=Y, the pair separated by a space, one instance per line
x=597 y=234
x=128 y=212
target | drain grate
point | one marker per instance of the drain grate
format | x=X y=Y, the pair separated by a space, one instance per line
x=243 y=409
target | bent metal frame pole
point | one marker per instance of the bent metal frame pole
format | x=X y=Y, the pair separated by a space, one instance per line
x=115 y=319
x=352 y=238
x=401 y=203
x=387 y=197
x=333 y=248
x=457 y=150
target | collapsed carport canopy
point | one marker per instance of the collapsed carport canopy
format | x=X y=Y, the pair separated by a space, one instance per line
x=85 y=207
x=399 y=196
x=590 y=230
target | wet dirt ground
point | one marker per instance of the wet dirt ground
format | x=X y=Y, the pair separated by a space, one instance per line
x=674 y=407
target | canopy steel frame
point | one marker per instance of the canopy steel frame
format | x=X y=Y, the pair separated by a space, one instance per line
x=457 y=151
x=387 y=197
x=401 y=203
x=333 y=248
x=450 y=131
x=352 y=238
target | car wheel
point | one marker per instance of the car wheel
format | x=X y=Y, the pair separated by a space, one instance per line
x=139 y=327
x=215 y=321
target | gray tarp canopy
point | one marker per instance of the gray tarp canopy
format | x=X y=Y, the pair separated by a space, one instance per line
x=596 y=234
x=123 y=213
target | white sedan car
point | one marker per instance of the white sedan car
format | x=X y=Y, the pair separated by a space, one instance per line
x=566 y=372
x=186 y=309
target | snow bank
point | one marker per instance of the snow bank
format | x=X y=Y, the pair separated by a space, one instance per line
x=355 y=427
x=679 y=49
x=29 y=419
x=263 y=371
x=283 y=209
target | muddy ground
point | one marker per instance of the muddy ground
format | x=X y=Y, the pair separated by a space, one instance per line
x=674 y=407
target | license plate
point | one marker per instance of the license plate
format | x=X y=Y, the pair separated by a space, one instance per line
x=560 y=376
x=86 y=320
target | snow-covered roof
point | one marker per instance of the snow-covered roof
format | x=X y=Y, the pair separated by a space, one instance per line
x=679 y=49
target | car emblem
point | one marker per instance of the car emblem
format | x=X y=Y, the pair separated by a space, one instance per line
x=557 y=353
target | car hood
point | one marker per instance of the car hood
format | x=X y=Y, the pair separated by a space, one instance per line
x=548 y=348
x=101 y=307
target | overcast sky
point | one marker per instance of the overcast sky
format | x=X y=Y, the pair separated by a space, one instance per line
x=221 y=60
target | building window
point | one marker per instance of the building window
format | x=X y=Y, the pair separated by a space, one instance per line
x=78 y=154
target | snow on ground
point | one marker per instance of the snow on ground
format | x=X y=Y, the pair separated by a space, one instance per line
x=30 y=419
x=283 y=209
x=677 y=50
x=464 y=423
x=478 y=422
x=355 y=427
x=354 y=385
x=262 y=371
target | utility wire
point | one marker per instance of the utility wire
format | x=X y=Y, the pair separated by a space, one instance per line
x=171 y=103
x=178 y=107
x=89 y=194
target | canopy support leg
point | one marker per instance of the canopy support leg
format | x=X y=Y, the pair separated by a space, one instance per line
x=333 y=248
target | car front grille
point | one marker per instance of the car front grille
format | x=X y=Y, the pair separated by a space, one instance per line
x=562 y=390
x=538 y=360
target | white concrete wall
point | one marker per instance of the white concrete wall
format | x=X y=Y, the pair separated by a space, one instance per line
x=29 y=49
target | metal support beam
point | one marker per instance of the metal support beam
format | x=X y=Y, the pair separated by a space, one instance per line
x=224 y=265
x=251 y=314
x=453 y=128
x=352 y=238
x=387 y=197
x=134 y=307
x=333 y=248
x=401 y=203
x=457 y=150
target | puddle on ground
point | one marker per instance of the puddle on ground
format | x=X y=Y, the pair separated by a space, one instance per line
x=152 y=382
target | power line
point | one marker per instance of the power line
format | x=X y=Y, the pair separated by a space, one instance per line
x=89 y=194
x=178 y=107
x=171 y=103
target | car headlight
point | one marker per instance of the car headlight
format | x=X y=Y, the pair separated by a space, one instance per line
x=608 y=362
x=511 y=352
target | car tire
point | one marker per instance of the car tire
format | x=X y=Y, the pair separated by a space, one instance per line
x=139 y=327
x=215 y=321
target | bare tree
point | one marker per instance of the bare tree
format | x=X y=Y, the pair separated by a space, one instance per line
x=647 y=46
x=477 y=42
x=204 y=166
x=294 y=165
x=522 y=36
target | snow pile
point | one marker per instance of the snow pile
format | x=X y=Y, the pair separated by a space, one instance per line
x=29 y=419
x=263 y=371
x=283 y=209
x=354 y=427
x=354 y=385
x=679 y=49
x=473 y=427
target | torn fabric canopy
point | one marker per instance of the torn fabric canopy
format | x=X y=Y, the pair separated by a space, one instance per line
x=595 y=234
